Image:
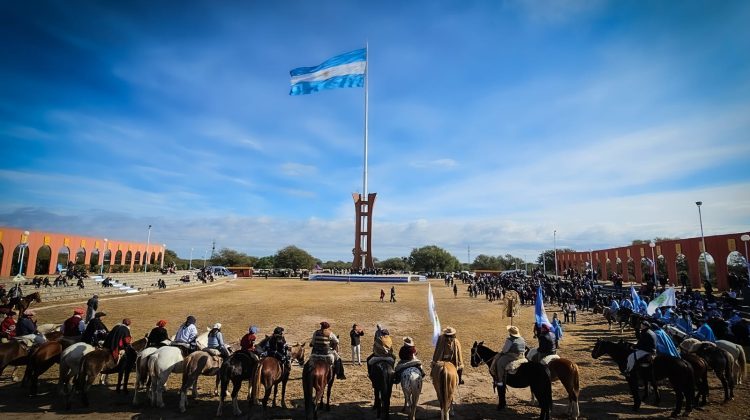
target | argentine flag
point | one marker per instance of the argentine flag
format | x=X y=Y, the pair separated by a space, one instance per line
x=540 y=315
x=345 y=70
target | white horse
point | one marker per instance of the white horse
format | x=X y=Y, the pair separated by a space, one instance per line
x=411 y=384
x=165 y=361
x=141 y=371
x=70 y=364
x=735 y=350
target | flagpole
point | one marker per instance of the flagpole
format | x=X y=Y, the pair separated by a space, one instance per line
x=367 y=65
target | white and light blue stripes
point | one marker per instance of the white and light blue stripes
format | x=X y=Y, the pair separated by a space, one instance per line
x=345 y=70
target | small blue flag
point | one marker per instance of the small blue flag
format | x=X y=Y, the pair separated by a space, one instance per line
x=539 y=313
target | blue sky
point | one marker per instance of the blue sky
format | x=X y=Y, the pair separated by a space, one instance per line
x=492 y=123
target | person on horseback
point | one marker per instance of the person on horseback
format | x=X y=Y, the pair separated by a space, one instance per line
x=546 y=343
x=626 y=303
x=382 y=347
x=276 y=347
x=73 y=326
x=158 y=334
x=685 y=323
x=323 y=343
x=26 y=325
x=705 y=333
x=247 y=343
x=513 y=349
x=407 y=357
x=448 y=349
x=8 y=326
x=186 y=335
x=15 y=294
x=3 y=294
x=216 y=340
x=118 y=339
x=646 y=346
x=95 y=330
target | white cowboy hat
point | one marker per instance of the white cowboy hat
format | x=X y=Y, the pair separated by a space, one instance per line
x=217 y=326
x=513 y=331
x=449 y=331
x=409 y=341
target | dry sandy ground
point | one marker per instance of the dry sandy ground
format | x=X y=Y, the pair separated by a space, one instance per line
x=299 y=306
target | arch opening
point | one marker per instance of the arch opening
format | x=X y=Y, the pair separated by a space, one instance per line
x=43 y=260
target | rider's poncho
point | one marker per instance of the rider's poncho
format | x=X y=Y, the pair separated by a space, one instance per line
x=705 y=333
x=685 y=324
x=614 y=306
x=557 y=329
x=626 y=303
x=664 y=343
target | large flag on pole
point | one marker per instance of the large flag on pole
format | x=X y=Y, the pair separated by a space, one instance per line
x=637 y=302
x=666 y=298
x=345 y=70
x=433 y=316
x=539 y=314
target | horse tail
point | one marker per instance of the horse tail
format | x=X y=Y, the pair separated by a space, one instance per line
x=576 y=379
x=307 y=389
x=743 y=362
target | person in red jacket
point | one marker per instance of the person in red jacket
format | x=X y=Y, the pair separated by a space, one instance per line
x=247 y=343
x=72 y=325
x=8 y=326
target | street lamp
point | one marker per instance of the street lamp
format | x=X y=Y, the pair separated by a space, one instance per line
x=544 y=262
x=746 y=238
x=554 y=240
x=163 y=252
x=191 y=259
x=703 y=239
x=148 y=242
x=591 y=264
x=205 y=255
x=652 y=244
x=24 y=245
x=104 y=254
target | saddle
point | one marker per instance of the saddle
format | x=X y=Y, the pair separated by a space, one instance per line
x=329 y=358
x=184 y=348
x=646 y=361
x=514 y=365
x=402 y=366
x=546 y=359
x=377 y=359
x=212 y=352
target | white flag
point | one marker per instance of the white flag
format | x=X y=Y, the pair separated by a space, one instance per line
x=433 y=316
x=667 y=298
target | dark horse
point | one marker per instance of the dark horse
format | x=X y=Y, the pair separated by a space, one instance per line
x=721 y=363
x=39 y=361
x=92 y=364
x=678 y=371
x=381 y=376
x=13 y=353
x=23 y=304
x=700 y=372
x=317 y=375
x=621 y=317
x=240 y=366
x=529 y=374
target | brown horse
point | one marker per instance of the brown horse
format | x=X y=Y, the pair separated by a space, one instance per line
x=13 y=353
x=92 y=364
x=566 y=371
x=197 y=364
x=23 y=304
x=39 y=361
x=445 y=380
x=317 y=375
x=273 y=372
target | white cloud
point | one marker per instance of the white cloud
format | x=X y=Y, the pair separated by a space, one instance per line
x=298 y=169
x=444 y=163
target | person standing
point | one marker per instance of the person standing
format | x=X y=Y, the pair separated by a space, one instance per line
x=393 y=294
x=91 y=307
x=382 y=295
x=573 y=311
x=455 y=291
x=355 y=334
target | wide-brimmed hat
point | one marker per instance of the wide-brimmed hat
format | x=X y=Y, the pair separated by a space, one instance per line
x=100 y=314
x=29 y=312
x=217 y=326
x=325 y=325
x=409 y=341
x=513 y=331
x=449 y=331
x=278 y=330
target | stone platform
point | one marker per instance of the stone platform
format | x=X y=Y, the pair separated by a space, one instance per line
x=368 y=278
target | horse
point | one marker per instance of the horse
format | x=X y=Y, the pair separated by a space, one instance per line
x=70 y=364
x=381 y=375
x=165 y=361
x=635 y=320
x=738 y=354
x=196 y=364
x=566 y=371
x=445 y=380
x=317 y=375
x=23 y=304
x=678 y=371
x=621 y=317
x=92 y=364
x=411 y=384
x=273 y=372
x=125 y=365
x=700 y=372
x=238 y=367
x=39 y=361
x=529 y=374
x=141 y=371
x=720 y=361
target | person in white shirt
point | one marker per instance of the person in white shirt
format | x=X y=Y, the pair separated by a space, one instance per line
x=187 y=333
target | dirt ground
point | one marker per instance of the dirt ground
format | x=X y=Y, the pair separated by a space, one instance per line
x=299 y=306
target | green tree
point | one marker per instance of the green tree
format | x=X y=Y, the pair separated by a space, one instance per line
x=339 y=265
x=549 y=258
x=265 y=262
x=231 y=258
x=294 y=258
x=486 y=262
x=395 y=263
x=432 y=258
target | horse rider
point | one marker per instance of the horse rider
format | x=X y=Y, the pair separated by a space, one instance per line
x=614 y=307
x=95 y=330
x=276 y=347
x=646 y=346
x=547 y=341
x=8 y=326
x=216 y=340
x=247 y=343
x=407 y=357
x=513 y=349
x=382 y=348
x=74 y=326
x=14 y=296
x=158 y=334
x=626 y=303
x=323 y=343
x=26 y=328
x=705 y=333
x=3 y=294
x=118 y=339
x=186 y=335
x=684 y=323
x=448 y=349
x=92 y=305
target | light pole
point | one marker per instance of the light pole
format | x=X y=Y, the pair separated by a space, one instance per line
x=527 y=264
x=104 y=254
x=591 y=264
x=544 y=262
x=24 y=245
x=163 y=253
x=205 y=255
x=191 y=259
x=703 y=239
x=746 y=238
x=554 y=240
x=652 y=244
x=148 y=242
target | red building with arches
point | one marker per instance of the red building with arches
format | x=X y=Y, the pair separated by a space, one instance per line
x=44 y=251
x=632 y=261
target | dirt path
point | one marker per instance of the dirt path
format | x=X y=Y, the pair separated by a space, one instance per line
x=299 y=306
